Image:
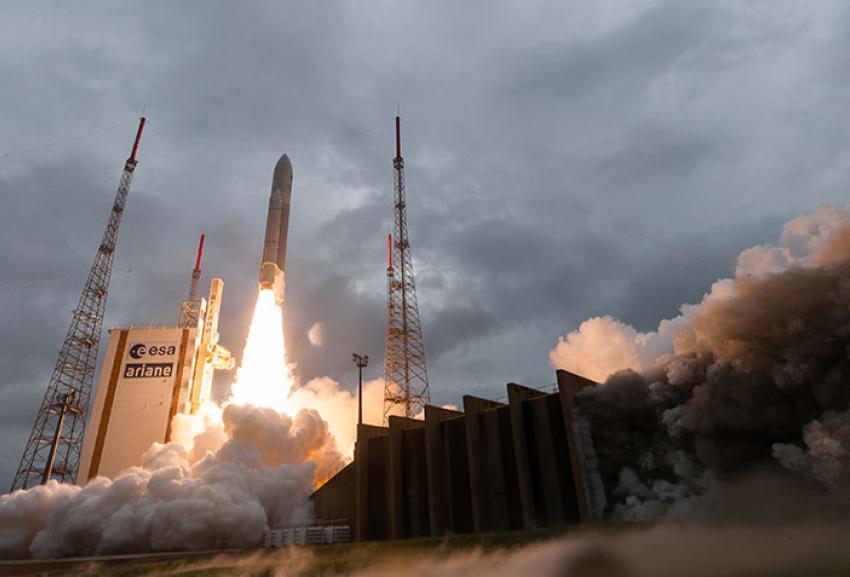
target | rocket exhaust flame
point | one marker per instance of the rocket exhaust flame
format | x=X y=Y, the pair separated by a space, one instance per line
x=264 y=379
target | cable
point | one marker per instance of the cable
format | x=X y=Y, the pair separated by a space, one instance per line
x=26 y=283
x=12 y=153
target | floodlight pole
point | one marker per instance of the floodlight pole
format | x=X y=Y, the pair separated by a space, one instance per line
x=361 y=361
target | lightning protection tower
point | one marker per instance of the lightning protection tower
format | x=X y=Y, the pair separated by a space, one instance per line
x=54 y=446
x=405 y=376
x=190 y=309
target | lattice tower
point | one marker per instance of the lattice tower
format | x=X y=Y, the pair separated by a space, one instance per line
x=405 y=375
x=55 y=443
x=190 y=309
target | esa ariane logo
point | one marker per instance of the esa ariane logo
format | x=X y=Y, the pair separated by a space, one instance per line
x=150 y=352
x=140 y=350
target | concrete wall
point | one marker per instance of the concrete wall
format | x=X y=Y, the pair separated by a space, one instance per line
x=496 y=504
x=408 y=480
x=371 y=458
x=492 y=467
x=336 y=498
x=447 y=464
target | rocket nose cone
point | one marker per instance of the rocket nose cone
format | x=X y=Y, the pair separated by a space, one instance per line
x=282 y=174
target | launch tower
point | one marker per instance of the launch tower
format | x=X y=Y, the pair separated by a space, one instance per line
x=55 y=443
x=405 y=375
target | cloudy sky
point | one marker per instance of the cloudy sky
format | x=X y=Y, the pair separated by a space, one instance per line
x=564 y=160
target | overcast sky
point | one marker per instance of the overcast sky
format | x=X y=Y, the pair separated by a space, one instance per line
x=564 y=160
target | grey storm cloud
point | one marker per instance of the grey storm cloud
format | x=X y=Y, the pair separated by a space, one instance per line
x=564 y=160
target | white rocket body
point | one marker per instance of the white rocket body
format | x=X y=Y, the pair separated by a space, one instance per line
x=273 y=265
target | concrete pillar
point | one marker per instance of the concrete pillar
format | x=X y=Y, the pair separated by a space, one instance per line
x=473 y=407
x=517 y=395
x=494 y=492
x=553 y=492
x=504 y=509
x=362 y=478
x=568 y=385
x=456 y=476
x=439 y=492
x=415 y=482
x=337 y=499
x=399 y=490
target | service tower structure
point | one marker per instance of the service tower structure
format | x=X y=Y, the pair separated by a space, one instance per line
x=405 y=375
x=55 y=443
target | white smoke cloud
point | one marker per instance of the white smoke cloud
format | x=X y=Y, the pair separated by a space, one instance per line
x=604 y=345
x=228 y=474
x=220 y=486
x=24 y=514
x=338 y=406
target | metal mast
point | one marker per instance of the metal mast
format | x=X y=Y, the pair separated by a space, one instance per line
x=190 y=309
x=405 y=376
x=54 y=446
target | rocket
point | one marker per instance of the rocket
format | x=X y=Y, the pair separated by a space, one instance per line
x=273 y=265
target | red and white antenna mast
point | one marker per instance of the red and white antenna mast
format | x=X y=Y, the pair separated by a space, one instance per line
x=405 y=375
x=190 y=309
x=56 y=441
x=196 y=273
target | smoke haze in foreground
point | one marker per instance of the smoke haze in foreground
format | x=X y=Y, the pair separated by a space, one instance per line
x=756 y=375
x=665 y=550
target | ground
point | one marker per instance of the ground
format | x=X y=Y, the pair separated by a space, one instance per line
x=599 y=551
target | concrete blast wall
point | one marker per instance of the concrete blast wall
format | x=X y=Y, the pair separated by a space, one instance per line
x=492 y=467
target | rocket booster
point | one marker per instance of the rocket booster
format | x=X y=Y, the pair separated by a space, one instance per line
x=273 y=265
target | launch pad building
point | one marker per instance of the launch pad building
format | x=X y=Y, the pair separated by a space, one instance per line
x=149 y=375
x=145 y=373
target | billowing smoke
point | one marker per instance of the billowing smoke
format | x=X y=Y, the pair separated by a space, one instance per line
x=250 y=469
x=758 y=373
x=338 y=406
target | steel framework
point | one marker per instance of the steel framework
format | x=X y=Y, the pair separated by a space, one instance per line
x=55 y=443
x=190 y=309
x=405 y=375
